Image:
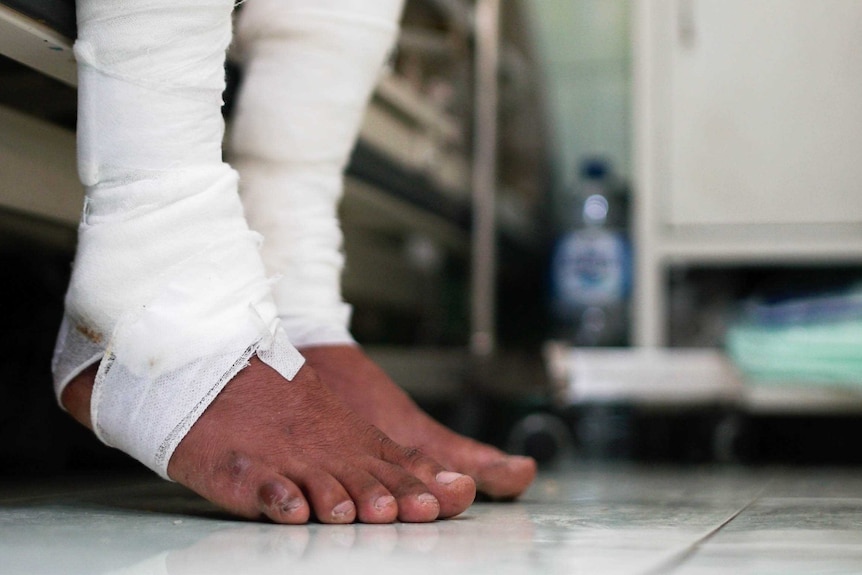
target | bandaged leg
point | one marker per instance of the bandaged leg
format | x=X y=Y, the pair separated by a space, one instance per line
x=168 y=290
x=309 y=70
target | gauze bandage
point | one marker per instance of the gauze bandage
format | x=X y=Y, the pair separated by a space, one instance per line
x=168 y=289
x=309 y=70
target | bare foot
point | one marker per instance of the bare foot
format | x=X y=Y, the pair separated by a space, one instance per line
x=292 y=450
x=368 y=391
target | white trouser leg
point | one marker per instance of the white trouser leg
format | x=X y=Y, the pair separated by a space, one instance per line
x=168 y=289
x=309 y=70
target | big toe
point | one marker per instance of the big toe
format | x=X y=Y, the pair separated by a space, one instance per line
x=455 y=491
x=507 y=477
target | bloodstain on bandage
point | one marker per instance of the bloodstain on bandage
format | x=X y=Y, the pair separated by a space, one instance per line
x=90 y=333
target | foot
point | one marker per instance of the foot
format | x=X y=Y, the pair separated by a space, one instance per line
x=292 y=450
x=369 y=392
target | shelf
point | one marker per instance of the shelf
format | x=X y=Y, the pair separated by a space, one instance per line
x=800 y=399
x=801 y=244
x=677 y=378
x=417 y=137
x=38 y=170
x=654 y=378
x=37 y=44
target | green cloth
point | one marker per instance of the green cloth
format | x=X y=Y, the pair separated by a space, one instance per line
x=827 y=353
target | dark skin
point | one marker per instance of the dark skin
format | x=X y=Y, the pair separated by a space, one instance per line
x=370 y=393
x=290 y=451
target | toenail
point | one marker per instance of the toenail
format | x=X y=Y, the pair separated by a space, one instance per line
x=519 y=459
x=447 y=477
x=428 y=499
x=276 y=497
x=343 y=509
x=383 y=502
x=290 y=505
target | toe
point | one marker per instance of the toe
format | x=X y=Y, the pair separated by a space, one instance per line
x=415 y=502
x=497 y=474
x=374 y=502
x=282 y=501
x=453 y=491
x=249 y=488
x=329 y=499
x=506 y=478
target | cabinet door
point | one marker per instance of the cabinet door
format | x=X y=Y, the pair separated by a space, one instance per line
x=765 y=111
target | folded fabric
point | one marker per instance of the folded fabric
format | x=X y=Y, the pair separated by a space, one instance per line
x=813 y=340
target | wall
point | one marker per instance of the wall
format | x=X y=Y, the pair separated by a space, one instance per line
x=585 y=50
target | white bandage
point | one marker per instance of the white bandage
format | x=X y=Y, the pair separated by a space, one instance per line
x=309 y=70
x=168 y=288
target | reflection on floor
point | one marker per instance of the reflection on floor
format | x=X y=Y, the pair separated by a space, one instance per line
x=582 y=520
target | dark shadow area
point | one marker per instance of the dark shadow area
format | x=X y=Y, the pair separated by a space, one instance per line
x=38 y=437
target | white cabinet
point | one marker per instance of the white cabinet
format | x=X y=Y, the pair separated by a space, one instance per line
x=748 y=138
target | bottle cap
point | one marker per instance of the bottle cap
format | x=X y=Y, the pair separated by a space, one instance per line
x=594 y=168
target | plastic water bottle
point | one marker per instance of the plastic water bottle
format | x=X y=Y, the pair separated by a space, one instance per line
x=591 y=265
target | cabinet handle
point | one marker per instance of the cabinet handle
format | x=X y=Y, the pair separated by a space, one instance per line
x=686 y=25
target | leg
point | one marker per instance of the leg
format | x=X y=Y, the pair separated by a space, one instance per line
x=309 y=69
x=309 y=72
x=170 y=347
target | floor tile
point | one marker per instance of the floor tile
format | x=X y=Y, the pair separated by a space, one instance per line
x=820 y=532
x=622 y=519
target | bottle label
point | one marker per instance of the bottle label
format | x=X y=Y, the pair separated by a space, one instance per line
x=591 y=268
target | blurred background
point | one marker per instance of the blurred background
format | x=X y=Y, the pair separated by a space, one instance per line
x=671 y=270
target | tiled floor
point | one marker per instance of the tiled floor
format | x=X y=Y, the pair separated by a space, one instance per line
x=583 y=520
